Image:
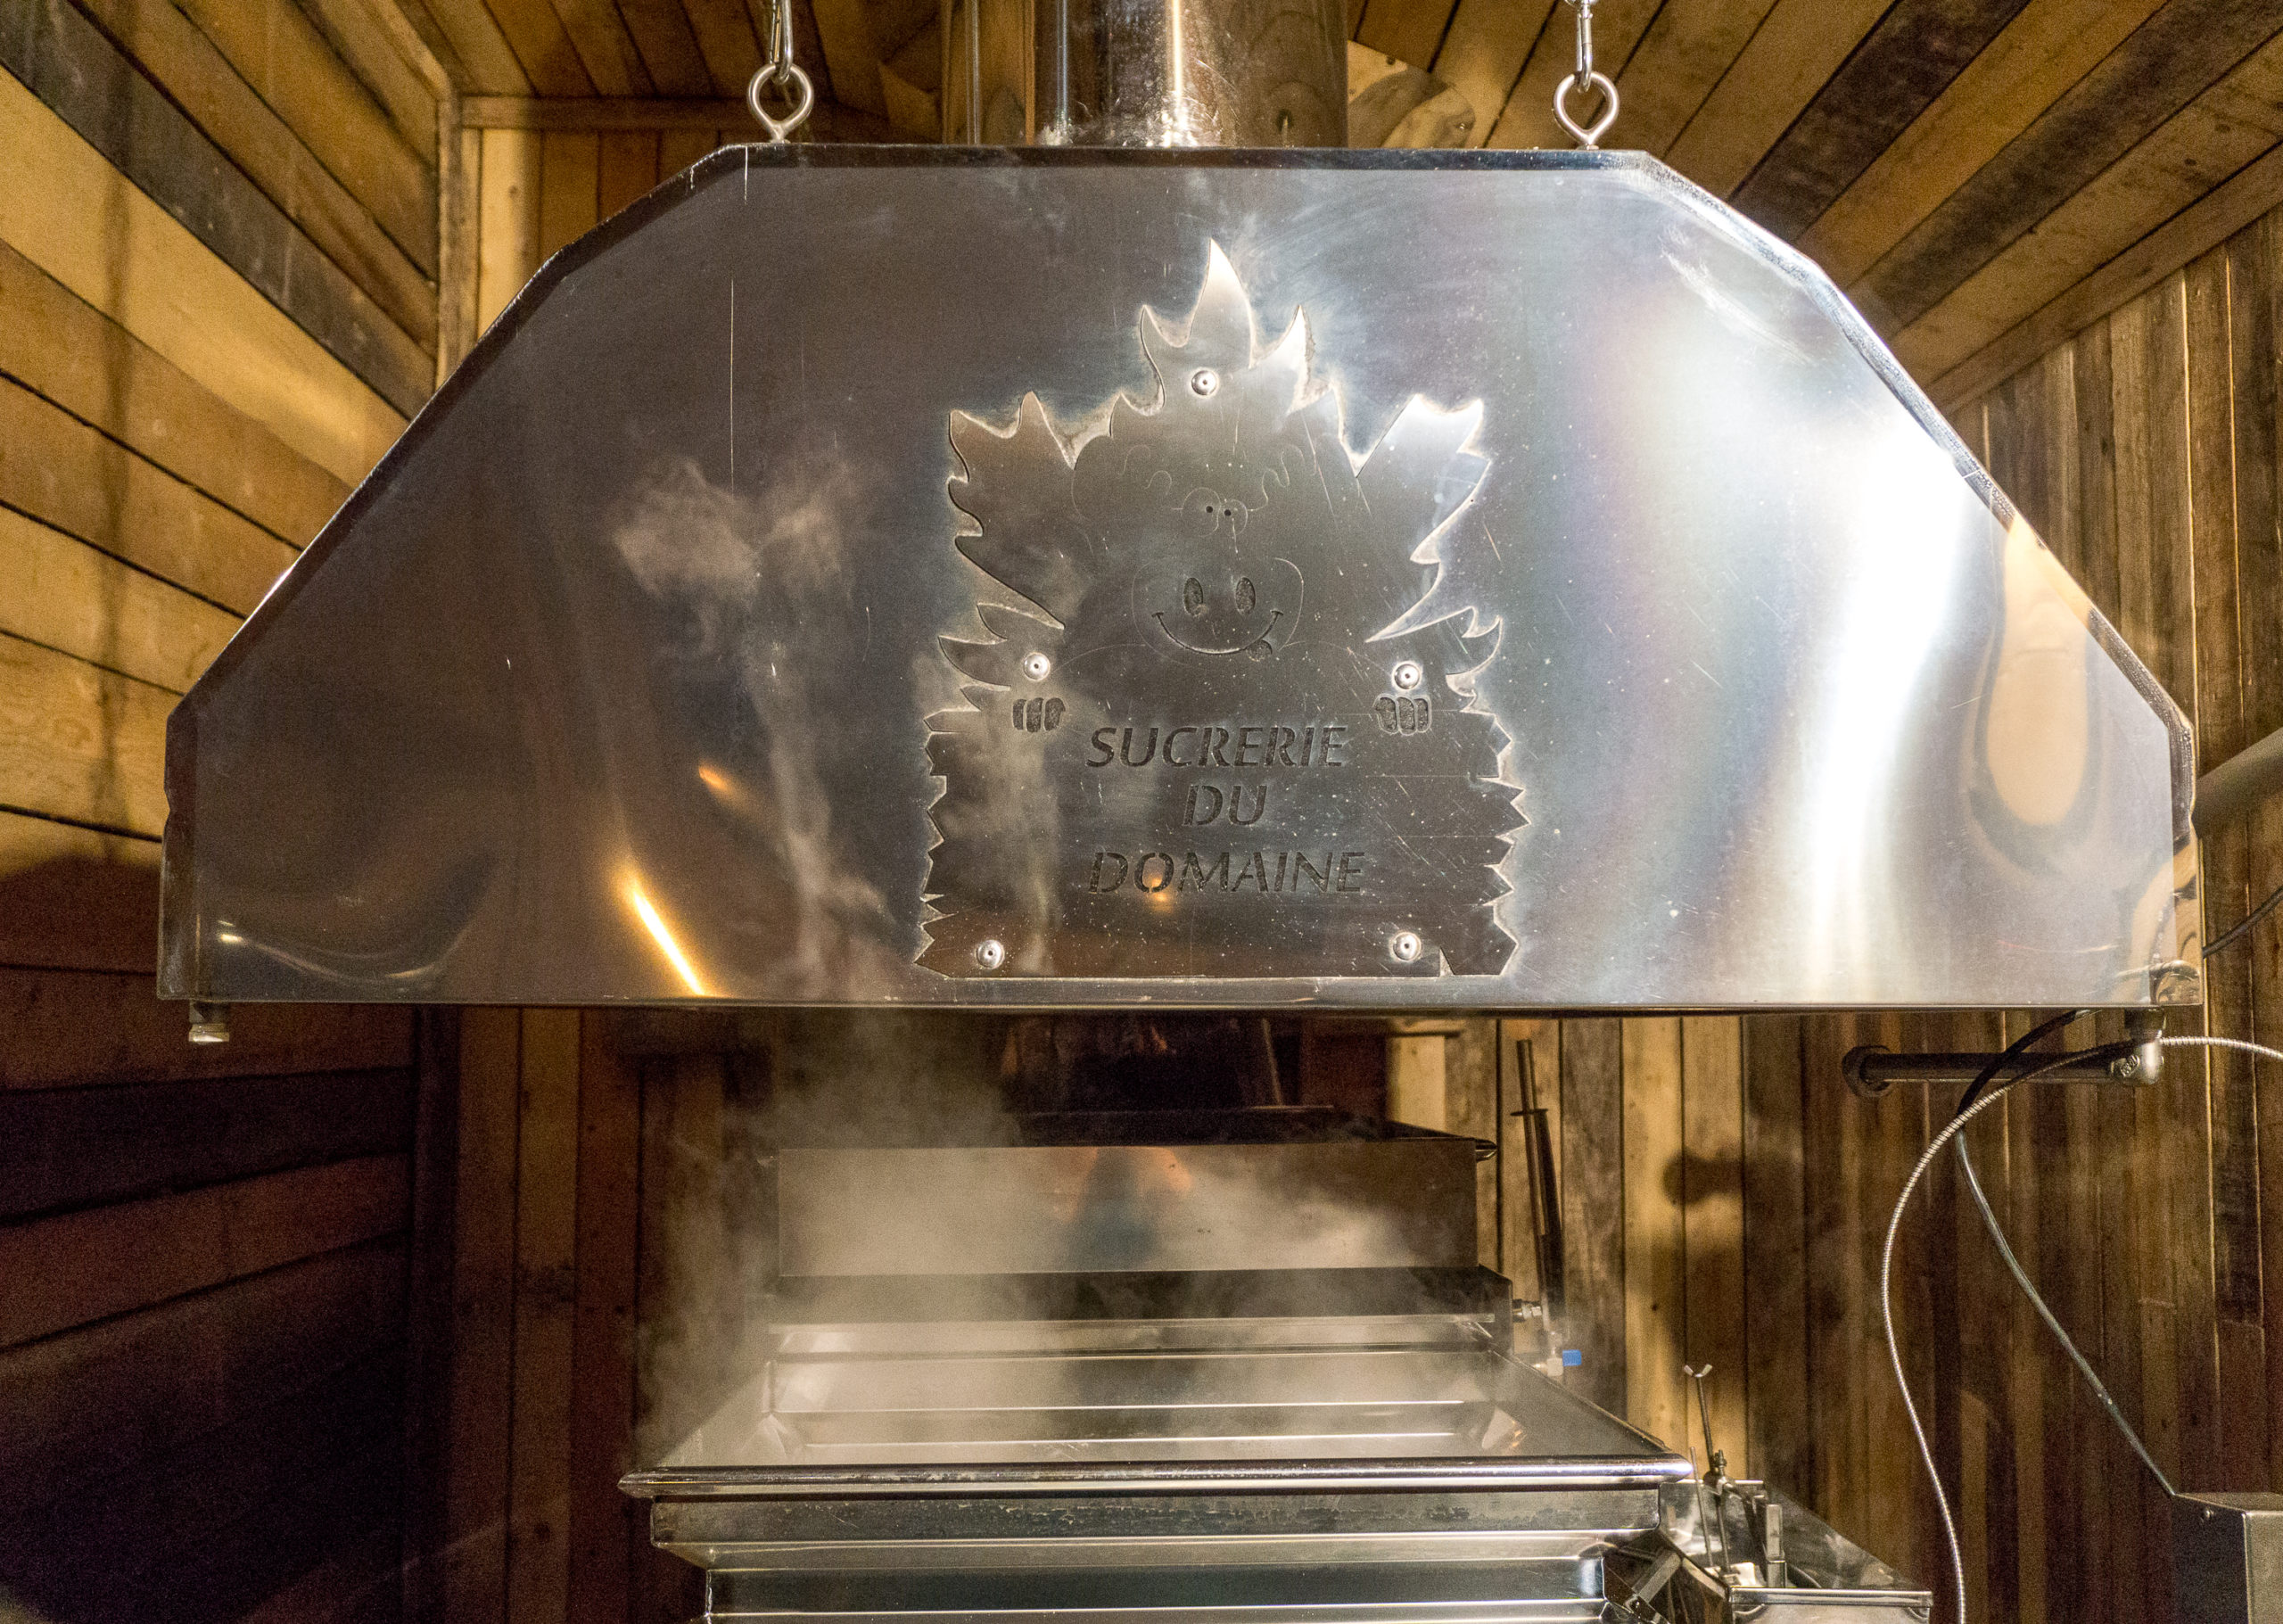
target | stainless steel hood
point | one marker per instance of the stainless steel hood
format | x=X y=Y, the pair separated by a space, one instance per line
x=1082 y=577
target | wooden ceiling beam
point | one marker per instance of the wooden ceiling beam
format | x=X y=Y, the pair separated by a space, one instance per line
x=2046 y=49
x=2220 y=133
x=467 y=42
x=1678 y=62
x=1908 y=60
x=668 y=46
x=727 y=39
x=2254 y=191
x=2165 y=64
x=540 y=44
x=1409 y=30
x=605 y=49
x=1483 y=52
x=1795 y=51
x=708 y=116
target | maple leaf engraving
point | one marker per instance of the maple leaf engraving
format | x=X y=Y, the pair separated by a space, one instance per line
x=1197 y=743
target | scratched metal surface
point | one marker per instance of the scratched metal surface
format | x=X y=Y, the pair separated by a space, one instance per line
x=1546 y=590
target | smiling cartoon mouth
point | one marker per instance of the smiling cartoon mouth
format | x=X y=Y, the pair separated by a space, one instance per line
x=1256 y=648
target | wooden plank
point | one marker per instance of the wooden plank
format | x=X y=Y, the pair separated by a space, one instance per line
x=1712 y=1222
x=827 y=123
x=605 y=49
x=474 y=1565
x=1798 y=47
x=2164 y=67
x=543 y=46
x=2243 y=197
x=1909 y=57
x=1656 y=1393
x=1470 y=1058
x=2221 y=133
x=852 y=55
x=1483 y=52
x=727 y=40
x=73 y=898
x=110 y=1396
x=2047 y=48
x=668 y=47
x=568 y=189
x=2256 y=281
x=1678 y=62
x=486 y=58
x=359 y=33
x=1409 y=30
x=626 y=168
x=1778 y=1443
x=70 y=1270
x=461 y=250
x=61 y=347
x=1527 y=118
x=71 y=1028
x=1417 y=1089
x=80 y=743
x=1833 y=1204
x=547 y=1159
x=2223 y=727
x=1594 y=1195
x=56 y=469
x=65 y=208
x=279 y=52
x=507 y=220
x=222 y=1507
x=418 y=1566
x=2154 y=532
x=75 y=1148
x=64 y=594
x=605 y=1526
x=171 y=50
x=66 y=61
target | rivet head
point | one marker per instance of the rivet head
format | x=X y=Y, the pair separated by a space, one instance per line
x=1204 y=380
x=990 y=954
x=1408 y=675
x=1035 y=666
x=1404 y=946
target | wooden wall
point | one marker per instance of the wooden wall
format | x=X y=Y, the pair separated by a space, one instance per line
x=218 y=258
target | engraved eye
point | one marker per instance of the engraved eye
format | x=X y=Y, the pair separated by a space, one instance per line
x=1245 y=595
x=1192 y=596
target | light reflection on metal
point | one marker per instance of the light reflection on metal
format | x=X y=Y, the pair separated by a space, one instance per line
x=1801 y=713
x=664 y=937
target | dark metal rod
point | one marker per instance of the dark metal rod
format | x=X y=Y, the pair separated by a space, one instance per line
x=1872 y=1069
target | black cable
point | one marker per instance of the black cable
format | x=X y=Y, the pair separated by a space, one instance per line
x=1998 y=1235
x=2223 y=942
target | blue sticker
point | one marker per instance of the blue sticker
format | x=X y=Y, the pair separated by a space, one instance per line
x=1573 y=1355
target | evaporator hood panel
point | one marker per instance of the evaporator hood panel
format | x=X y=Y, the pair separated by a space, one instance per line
x=1066 y=578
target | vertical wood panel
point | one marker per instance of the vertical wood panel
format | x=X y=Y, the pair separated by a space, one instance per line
x=547 y=1157
x=606 y=1526
x=474 y=1558
x=1593 y=1191
x=1656 y=1398
x=1775 y=1217
x=507 y=222
x=1712 y=1216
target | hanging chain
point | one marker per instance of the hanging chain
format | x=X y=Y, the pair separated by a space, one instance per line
x=1587 y=136
x=780 y=72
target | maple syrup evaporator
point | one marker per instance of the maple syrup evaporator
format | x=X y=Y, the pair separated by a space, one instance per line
x=1025 y=616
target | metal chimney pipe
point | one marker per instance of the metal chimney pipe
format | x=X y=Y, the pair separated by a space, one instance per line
x=1145 y=72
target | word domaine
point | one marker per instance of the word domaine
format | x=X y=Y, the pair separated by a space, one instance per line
x=1269 y=873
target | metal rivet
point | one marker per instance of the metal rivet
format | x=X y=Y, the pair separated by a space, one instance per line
x=1204 y=380
x=1404 y=946
x=1035 y=666
x=989 y=953
x=1408 y=675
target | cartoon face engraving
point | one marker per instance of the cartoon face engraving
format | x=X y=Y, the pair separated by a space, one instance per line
x=1226 y=603
x=1204 y=583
